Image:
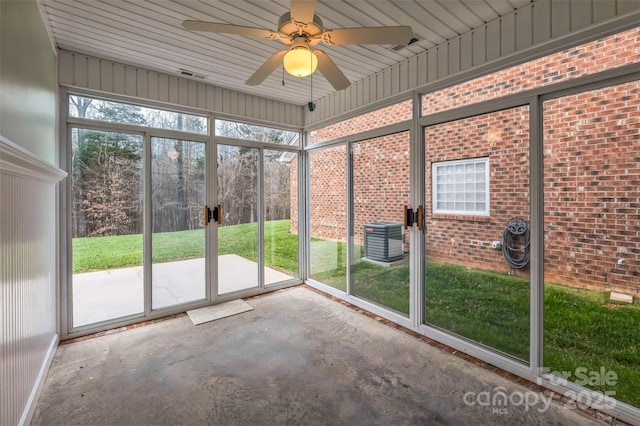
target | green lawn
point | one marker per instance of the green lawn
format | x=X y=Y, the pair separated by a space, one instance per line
x=98 y=253
x=580 y=328
x=487 y=307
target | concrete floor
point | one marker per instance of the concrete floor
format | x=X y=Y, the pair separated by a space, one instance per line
x=297 y=358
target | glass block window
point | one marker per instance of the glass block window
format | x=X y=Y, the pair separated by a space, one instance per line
x=461 y=187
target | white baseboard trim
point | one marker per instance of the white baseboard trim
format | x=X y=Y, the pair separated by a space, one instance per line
x=30 y=407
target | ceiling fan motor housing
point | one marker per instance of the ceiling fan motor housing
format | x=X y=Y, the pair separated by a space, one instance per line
x=288 y=26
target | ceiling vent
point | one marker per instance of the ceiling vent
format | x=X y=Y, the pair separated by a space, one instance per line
x=397 y=47
x=191 y=74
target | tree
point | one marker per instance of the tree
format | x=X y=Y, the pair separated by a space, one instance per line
x=107 y=172
x=238 y=174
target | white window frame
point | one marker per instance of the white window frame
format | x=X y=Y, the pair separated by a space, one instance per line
x=463 y=212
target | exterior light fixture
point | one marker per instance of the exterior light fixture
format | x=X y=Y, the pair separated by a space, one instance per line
x=300 y=60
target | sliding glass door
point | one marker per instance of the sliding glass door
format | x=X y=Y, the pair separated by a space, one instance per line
x=478 y=229
x=238 y=207
x=164 y=217
x=178 y=183
x=380 y=191
x=107 y=181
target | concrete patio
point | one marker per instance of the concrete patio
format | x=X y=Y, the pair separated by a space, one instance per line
x=104 y=295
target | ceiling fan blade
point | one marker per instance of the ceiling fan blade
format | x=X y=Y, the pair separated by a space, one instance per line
x=303 y=10
x=213 y=27
x=368 y=35
x=331 y=72
x=266 y=69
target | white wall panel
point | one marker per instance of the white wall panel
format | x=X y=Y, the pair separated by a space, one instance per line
x=118 y=77
x=507 y=34
x=466 y=51
x=493 y=39
x=28 y=214
x=443 y=61
x=131 y=80
x=422 y=68
x=603 y=10
x=537 y=28
x=561 y=13
x=479 y=46
x=28 y=334
x=454 y=55
x=106 y=76
x=28 y=81
x=142 y=84
x=80 y=71
x=84 y=72
x=66 y=67
x=432 y=65
x=412 y=74
x=524 y=28
x=541 y=21
x=94 y=79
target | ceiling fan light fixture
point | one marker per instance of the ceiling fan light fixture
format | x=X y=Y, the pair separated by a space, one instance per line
x=300 y=61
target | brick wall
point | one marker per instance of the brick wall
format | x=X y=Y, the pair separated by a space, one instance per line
x=380 y=181
x=392 y=114
x=589 y=58
x=328 y=196
x=592 y=189
x=503 y=137
x=592 y=153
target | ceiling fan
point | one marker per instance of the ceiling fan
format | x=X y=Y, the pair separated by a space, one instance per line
x=302 y=30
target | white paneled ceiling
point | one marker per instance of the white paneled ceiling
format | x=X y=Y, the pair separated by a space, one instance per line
x=148 y=33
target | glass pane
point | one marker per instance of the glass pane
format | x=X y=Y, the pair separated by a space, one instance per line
x=592 y=249
x=251 y=132
x=473 y=290
x=380 y=268
x=178 y=239
x=281 y=216
x=118 y=112
x=602 y=54
x=106 y=225
x=238 y=233
x=391 y=114
x=328 y=216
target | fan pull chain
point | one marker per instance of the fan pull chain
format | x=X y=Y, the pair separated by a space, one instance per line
x=311 y=67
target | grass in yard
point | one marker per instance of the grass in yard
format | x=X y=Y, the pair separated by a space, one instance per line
x=484 y=306
x=583 y=330
x=580 y=328
x=99 y=253
x=280 y=246
x=388 y=286
x=328 y=263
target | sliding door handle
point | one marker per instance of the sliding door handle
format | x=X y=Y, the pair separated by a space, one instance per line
x=407 y=219
x=411 y=217
x=207 y=215
x=215 y=214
